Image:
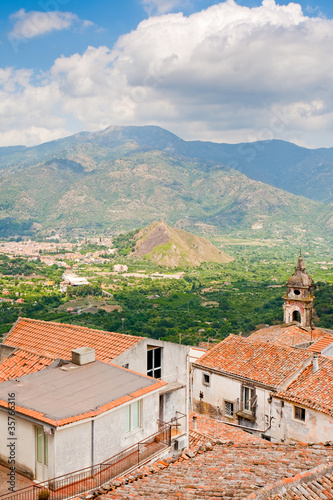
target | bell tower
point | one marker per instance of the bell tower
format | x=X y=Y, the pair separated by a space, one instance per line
x=298 y=302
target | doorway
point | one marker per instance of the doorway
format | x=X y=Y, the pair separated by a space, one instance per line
x=42 y=454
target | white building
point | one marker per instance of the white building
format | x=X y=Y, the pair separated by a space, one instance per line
x=75 y=414
x=235 y=379
x=32 y=344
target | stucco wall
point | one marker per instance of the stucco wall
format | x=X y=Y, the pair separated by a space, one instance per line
x=317 y=427
x=174 y=370
x=74 y=442
x=25 y=445
x=223 y=388
x=174 y=359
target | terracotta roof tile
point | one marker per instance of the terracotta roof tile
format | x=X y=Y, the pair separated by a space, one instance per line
x=313 y=389
x=57 y=340
x=321 y=344
x=22 y=362
x=266 y=363
x=314 y=483
x=236 y=469
x=287 y=335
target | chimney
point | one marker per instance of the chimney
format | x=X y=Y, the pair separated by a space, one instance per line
x=83 y=355
x=315 y=363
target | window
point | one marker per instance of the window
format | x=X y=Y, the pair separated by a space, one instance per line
x=42 y=446
x=248 y=398
x=229 y=408
x=126 y=365
x=154 y=362
x=299 y=413
x=205 y=379
x=132 y=417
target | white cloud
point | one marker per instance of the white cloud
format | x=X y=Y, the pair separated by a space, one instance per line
x=161 y=6
x=228 y=73
x=31 y=24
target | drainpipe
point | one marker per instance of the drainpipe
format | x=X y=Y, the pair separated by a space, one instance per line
x=188 y=395
x=92 y=443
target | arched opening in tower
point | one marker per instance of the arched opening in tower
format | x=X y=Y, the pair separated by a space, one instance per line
x=296 y=316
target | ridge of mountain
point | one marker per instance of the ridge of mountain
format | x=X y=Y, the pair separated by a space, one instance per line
x=126 y=177
x=298 y=170
x=171 y=247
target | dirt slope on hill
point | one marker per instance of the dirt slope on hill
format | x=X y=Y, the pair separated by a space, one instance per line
x=174 y=247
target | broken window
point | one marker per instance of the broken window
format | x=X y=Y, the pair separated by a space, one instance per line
x=154 y=362
x=299 y=413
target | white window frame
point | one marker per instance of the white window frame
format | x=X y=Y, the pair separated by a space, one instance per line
x=247 y=401
x=155 y=367
x=133 y=416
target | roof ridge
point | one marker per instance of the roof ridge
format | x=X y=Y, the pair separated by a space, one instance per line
x=30 y=351
x=69 y=325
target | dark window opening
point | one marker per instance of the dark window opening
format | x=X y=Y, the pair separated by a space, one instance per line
x=297 y=292
x=154 y=362
x=297 y=316
x=229 y=408
x=206 y=379
x=299 y=413
x=201 y=395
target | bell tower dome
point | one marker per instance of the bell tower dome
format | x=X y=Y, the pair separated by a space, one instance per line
x=298 y=302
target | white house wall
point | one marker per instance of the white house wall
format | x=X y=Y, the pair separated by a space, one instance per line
x=25 y=445
x=174 y=359
x=72 y=448
x=223 y=388
x=317 y=427
x=74 y=442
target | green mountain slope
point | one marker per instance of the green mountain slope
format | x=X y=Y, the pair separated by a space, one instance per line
x=126 y=177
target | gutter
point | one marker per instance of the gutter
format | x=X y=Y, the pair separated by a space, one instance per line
x=263 y=431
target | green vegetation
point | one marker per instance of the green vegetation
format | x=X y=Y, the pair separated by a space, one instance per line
x=204 y=303
x=125 y=243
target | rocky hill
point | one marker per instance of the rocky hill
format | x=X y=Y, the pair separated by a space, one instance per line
x=171 y=247
x=126 y=177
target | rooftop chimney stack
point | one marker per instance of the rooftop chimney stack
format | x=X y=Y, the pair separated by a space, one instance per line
x=315 y=363
x=83 y=355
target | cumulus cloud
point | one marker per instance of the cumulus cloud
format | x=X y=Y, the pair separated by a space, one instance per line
x=31 y=24
x=229 y=73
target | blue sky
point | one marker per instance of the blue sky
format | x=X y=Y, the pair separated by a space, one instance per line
x=222 y=71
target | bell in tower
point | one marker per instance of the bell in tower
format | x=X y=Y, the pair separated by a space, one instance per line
x=298 y=302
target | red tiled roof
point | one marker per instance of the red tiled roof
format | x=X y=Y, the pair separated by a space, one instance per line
x=321 y=344
x=313 y=389
x=22 y=362
x=287 y=335
x=57 y=340
x=266 y=363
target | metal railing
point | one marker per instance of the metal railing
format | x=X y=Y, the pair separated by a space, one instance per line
x=80 y=481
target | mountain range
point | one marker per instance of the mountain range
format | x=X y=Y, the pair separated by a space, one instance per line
x=122 y=178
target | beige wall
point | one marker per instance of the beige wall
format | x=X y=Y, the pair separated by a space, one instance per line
x=317 y=427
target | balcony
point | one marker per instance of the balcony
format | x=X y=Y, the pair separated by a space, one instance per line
x=81 y=481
